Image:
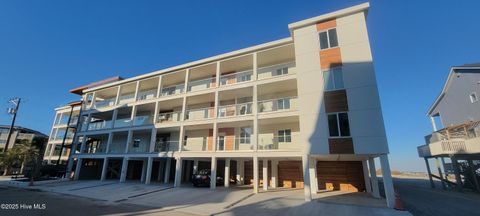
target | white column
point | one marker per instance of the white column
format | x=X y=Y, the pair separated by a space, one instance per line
x=109 y=142
x=137 y=88
x=217 y=74
x=166 y=177
x=366 y=177
x=82 y=147
x=255 y=118
x=123 y=173
x=255 y=174
x=239 y=176
x=313 y=175
x=181 y=137
x=215 y=129
x=195 y=166
x=434 y=125
x=429 y=172
x=306 y=178
x=144 y=171
x=227 y=172
x=117 y=98
x=215 y=105
x=129 y=140
x=265 y=174
x=77 y=169
x=187 y=77
x=114 y=117
x=149 y=170
x=104 y=169
x=274 y=173
x=159 y=87
x=213 y=173
x=373 y=178
x=178 y=173
x=387 y=181
x=153 y=139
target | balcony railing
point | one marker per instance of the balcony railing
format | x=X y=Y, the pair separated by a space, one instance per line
x=233 y=78
x=234 y=143
x=91 y=149
x=126 y=122
x=275 y=70
x=235 y=110
x=279 y=104
x=126 y=98
x=105 y=103
x=99 y=125
x=200 y=113
x=166 y=146
x=143 y=120
x=198 y=85
x=147 y=95
x=169 y=117
x=173 y=90
x=277 y=142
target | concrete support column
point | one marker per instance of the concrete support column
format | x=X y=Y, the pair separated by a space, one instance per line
x=149 y=170
x=240 y=172
x=213 y=173
x=265 y=174
x=434 y=125
x=274 y=174
x=188 y=171
x=144 y=171
x=306 y=178
x=373 y=178
x=313 y=175
x=129 y=140
x=178 y=173
x=195 y=166
x=109 y=142
x=387 y=181
x=366 y=177
x=77 y=169
x=215 y=138
x=227 y=172
x=123 y=173
x=104 y=169
x=472 y=171
x=166 y=177
x=429 y=172
x=437 y=162
x=160 y=170
x=458 y=178
x=255 y=174
x=153 y=138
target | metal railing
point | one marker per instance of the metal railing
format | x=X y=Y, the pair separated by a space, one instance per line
x=169 y=117
x=147 y=95
x=173 y=90
x=235 y=110
x=238 y=77
x=275 y=70
x=277 y=142
x=200 y=113
x=100 y=125
x=201 y=84
x=278 y=104
x=166 y=146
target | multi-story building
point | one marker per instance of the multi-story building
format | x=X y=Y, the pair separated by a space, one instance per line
x=19 y=135
x=456 y=108
x=300 y=112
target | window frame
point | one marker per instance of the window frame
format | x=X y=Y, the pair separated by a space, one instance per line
x=283 y=137
x=245 y=136
x=472 y=99
x=328 y=38
x=340 y=134
x=331 y=72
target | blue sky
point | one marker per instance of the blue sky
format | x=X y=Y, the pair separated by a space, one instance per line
x=49 y=47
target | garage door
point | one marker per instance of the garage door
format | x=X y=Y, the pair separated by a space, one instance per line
x=340 y=175
x=290 y=174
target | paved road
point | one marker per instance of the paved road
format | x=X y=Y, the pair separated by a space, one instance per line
x=57 y=204
x=419 y=199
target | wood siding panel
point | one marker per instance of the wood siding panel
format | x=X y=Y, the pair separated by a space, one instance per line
x=330 y=58
x=326 y=25
x=290 y=174
x=229 y=138
x=336 y=101
x=341 y=146
x=210 y=140
x=340 y=175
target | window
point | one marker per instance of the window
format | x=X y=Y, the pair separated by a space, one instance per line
x=136 y=143
x=185 y=140
x=245 y=134
x=333 y=79
x=473 y=97
x=280 y=71
x=328 y=39
x=283 y=103
x=285 y=135
x=338 y=125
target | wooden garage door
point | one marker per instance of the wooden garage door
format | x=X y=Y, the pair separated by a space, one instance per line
x=340 y=175
x=290 y=174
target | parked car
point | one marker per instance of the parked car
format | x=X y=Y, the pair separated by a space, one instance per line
x=202 y=178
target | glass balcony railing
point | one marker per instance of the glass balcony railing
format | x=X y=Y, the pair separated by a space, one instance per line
x=287 y=142
x=105 y=103
x=233 y=78
x=275 y=70
x=200 y=113
x=143 y=120
x=147 y=95
x=279 y=104
x=169 y=117
x=94 y=149
x=126 y=122
x=137 y=148
x=99 y=125
x=126 y=98
x=166 y=146
x=173 y=90
x=202 y=84
x=235 y=110
x=234 y=143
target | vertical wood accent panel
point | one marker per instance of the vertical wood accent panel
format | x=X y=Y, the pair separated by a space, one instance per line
x=210 y=140
x=341 y=146
x=336 y=101
x=330 y=58
x=326 y=25
x=290 y=174
x=340 y=175
x=229 y=138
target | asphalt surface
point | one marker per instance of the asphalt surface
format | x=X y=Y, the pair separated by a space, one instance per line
x=15 y=201
x=419 y=199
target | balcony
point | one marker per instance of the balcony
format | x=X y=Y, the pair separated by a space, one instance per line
x=173 y=90
x=234 y=78
x=146 y=95
x=200 y=113
x=99 y=125
x=143 y=120
x=128 y=98
x=279 y=104
x=168 y=117
x=234 y=143
x=235 y=110
x=166 y=146
x=277 y=70
x=125 y=122
x=104 y=103
x=287 y=142
x=201 y=84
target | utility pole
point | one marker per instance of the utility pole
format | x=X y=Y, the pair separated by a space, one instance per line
x=13 y=111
